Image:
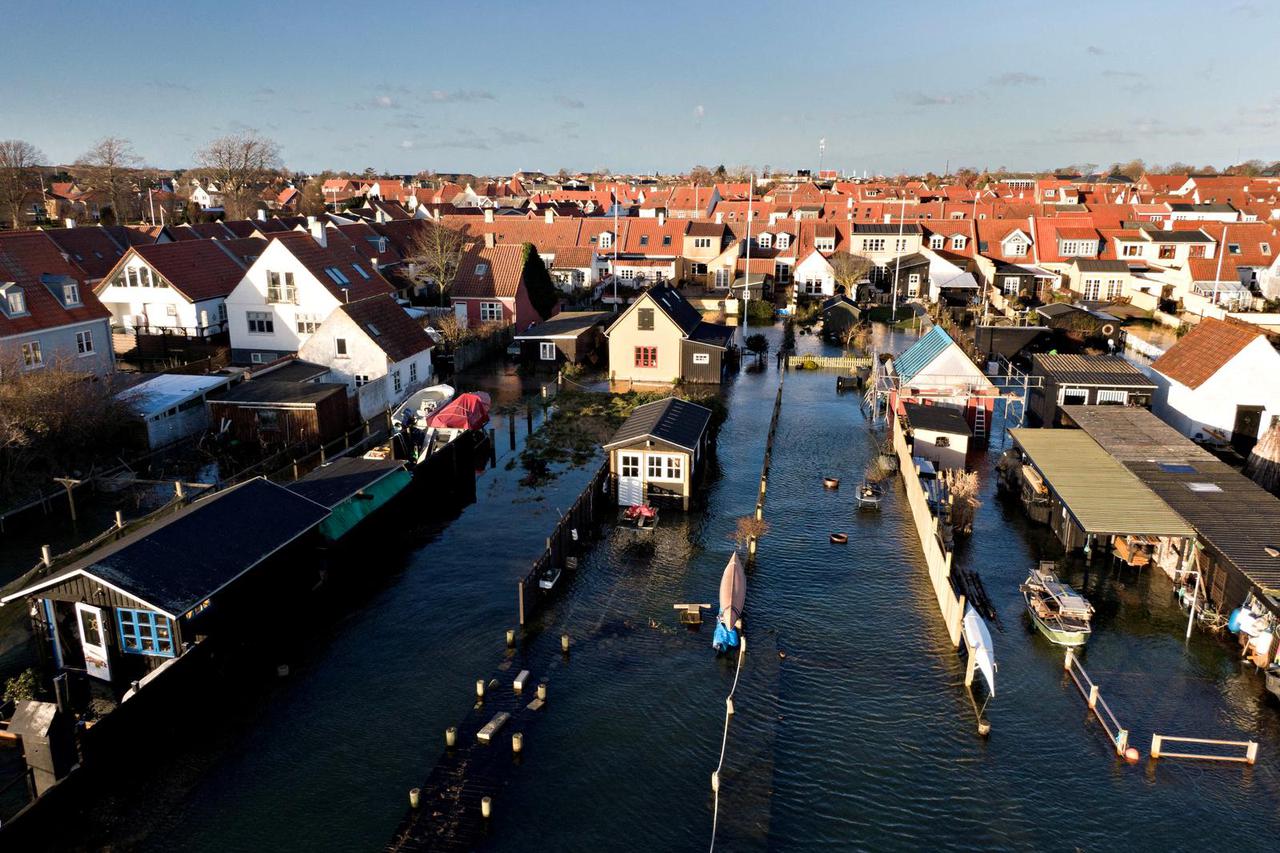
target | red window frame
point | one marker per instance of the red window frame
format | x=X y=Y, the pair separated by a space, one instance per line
x=646 y=356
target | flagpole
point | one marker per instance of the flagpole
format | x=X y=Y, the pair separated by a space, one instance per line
x=897 y=261
x=746 y=281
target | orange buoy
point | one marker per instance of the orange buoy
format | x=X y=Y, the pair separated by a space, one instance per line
x=831 y=482
x=1132 y=755
x=839 y=538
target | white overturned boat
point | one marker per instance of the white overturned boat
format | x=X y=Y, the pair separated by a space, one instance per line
x=978 y=639
x=733 y=594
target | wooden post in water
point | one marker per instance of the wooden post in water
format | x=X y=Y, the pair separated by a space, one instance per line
x=528 y=420
x=119 y=520
x=520 y=600
x=511 y=430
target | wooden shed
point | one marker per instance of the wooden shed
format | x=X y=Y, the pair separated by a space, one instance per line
x=660 y=452
x=938 y=433
x=282 y=414
x=570 y=337
x=128 y=608
x=1092 y=380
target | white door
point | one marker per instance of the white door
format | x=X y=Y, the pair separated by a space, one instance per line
x=630 y=486
x=93 y=639
x=460 y=312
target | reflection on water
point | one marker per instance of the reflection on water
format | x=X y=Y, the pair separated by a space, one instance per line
x=859 y=738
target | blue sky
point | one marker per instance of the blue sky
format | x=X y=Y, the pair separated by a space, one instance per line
x=497 y=86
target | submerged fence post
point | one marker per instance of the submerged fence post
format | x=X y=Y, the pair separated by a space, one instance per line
x=520 y=600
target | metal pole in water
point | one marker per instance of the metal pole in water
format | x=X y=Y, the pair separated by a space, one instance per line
x=564 y=643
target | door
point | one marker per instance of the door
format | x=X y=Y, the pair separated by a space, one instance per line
x=93 y=639
x=630 y=486
x=1245 y=433
x=460 y=314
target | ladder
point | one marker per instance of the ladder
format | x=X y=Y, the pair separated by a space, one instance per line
x=980 y=421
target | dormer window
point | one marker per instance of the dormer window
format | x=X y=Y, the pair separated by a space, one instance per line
x=765 y=240
x=482 y=269
x=784 y=241
x=936 y=241
x=71 y=294
x=957 y=242
x=15 y=301
x=606 y=239
x=1015 y=247
x=825 y=244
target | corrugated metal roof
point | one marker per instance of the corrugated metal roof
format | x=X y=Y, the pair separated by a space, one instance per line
x=1102 y=494
x=672 y=420
x=1133 y=434
x=921 y=353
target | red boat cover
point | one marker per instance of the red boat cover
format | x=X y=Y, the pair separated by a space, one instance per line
x=468 y=411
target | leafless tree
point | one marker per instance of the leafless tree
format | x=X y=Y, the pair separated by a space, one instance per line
x=700 y=175
x=433 y=255
x=18 y=162
x=849 y=271
x=108 y=166
x=240 y=164
x=856 y=336
x=312 y=201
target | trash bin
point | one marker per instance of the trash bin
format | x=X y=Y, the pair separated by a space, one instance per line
x=48 y=741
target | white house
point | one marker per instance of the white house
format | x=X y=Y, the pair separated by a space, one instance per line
x=814 y=276
x=178 y=287
x=293 y=286
x=1219 y=381
x=376 y=348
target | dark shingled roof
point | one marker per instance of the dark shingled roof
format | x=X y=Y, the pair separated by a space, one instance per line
x=711 y=334
x=1094 y=265
x=672 y=420
x=676 y=307
x=1075 y=369
x=389 y=326
x=164 y=565
x=331 y=484
x=936 y=418
x=565 y=324
x=268 y=391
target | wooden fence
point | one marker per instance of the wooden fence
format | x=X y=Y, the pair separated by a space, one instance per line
x=928 y=528
x=1250 y=749
x=565 y=543
x=1093 y=698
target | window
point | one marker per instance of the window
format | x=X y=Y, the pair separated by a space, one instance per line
x=674 y=464
x=1012 y=284
x=145 y=632
x=1132 y=250
x=697 y=269
x=644 y=319
x=1092 y=289
x=782 y=272
x=131 y=277
x=873 y=244
x=482 y=269
x=900 y=244
x=268 y=419
x=942 y=441
x=1196 y=251
x=1112 y=397
x=490 y=312
x=255 y=358
x=646 y=356
x=71 y=294
x=784 y=241
x=395 y=381
x=1265 y=248
x=17 y=303
x=546 y=351
x=1233 y=248
x=1070 y=396
x=362 y=379
x=340 y=347
x=280 y=287
x=31 y=355
x=937 y=241
x=336 y=275
x=84 y=342
x=702 y=358
x=261 y=322
x=630 y=464
x=627 y=273
x=171 y=311
x=655 y=466
x=664 y=466
x=913 y=284
x=1204 y=487
x=606 y=239
x=702 y=242
x=1114 y=288
x=1166 y=252
x=1015 y=248
x=666 y=239
x=825 y=244
x=360 y=270
x=644 y=239
x=765 y=241
x=306 y=323
x=722 y=278
x=813 y=287
x=413 y=372
x=957 y=242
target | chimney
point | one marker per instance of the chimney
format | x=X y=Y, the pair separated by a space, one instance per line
x=888 y=219
x=318 y=233
x=549 y=216
x=488 y=214
x=489 y=240
x=719 y=217
x=262 y=214
x=662 y=218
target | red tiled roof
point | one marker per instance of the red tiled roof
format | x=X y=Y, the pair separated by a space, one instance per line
x=490 y=272
x=91 y=248
x=198 y=269
x=388 y=326
x=26 y=256
x=1203 y=351
x=316 y=258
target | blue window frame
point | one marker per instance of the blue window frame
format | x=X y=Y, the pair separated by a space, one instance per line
x=145 y=632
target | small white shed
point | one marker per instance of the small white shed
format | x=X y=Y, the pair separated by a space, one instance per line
x=172 y=405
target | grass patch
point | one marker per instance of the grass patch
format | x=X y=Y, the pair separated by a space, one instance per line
x=880 y=314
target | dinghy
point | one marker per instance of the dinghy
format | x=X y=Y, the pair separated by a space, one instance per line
x=733 y=593
x=978 y=639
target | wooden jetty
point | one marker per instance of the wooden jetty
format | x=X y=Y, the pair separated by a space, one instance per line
x=480 y=764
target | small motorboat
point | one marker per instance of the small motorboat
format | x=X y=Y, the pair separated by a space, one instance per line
x=733 y=594
x=550 y=575
x=641 y=516
x=421 y=405
x=869 y=495
x=831 y=482
x=1057 y=611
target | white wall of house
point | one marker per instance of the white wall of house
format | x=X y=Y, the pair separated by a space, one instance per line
x=814 y=276
x=139 y=296
x=364 y=366
x=312 y=304
x=1213 y=404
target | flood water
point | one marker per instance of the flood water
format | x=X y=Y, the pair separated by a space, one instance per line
x=852 y=728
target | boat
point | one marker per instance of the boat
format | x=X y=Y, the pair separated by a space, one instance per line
x=547 y=579
x=1273 y=680
x=869 y=495
x=1057 y=611
x=420 y=406
x=831 y=482
x=978 y=640
x=733 y=594
x=839 y=538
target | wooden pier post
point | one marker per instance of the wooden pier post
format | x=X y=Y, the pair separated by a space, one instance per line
x=511 y=431
x=1155 y=746
x=1093 y=696
x=528 y=419
x=520 y=600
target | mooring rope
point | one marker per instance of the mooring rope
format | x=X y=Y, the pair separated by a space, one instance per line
x=724 y=741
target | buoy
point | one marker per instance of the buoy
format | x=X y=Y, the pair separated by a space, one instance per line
x=1132 y=755
x=839 y=538
x=511 y=638
x=542 y=691
x=782 y=655
x=831 y=482
x=451 y=736
x=728 y=705
x=984 y=727
x=517 y=742
x=486 y=807
x=479 y=688
x=414 y=797
x=715 y=781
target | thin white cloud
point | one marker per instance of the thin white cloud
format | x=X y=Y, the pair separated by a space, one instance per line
x=460 y=96
x=1016 y=78
x=699 y=111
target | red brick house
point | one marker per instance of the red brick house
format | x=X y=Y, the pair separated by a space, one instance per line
x=493 y=286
